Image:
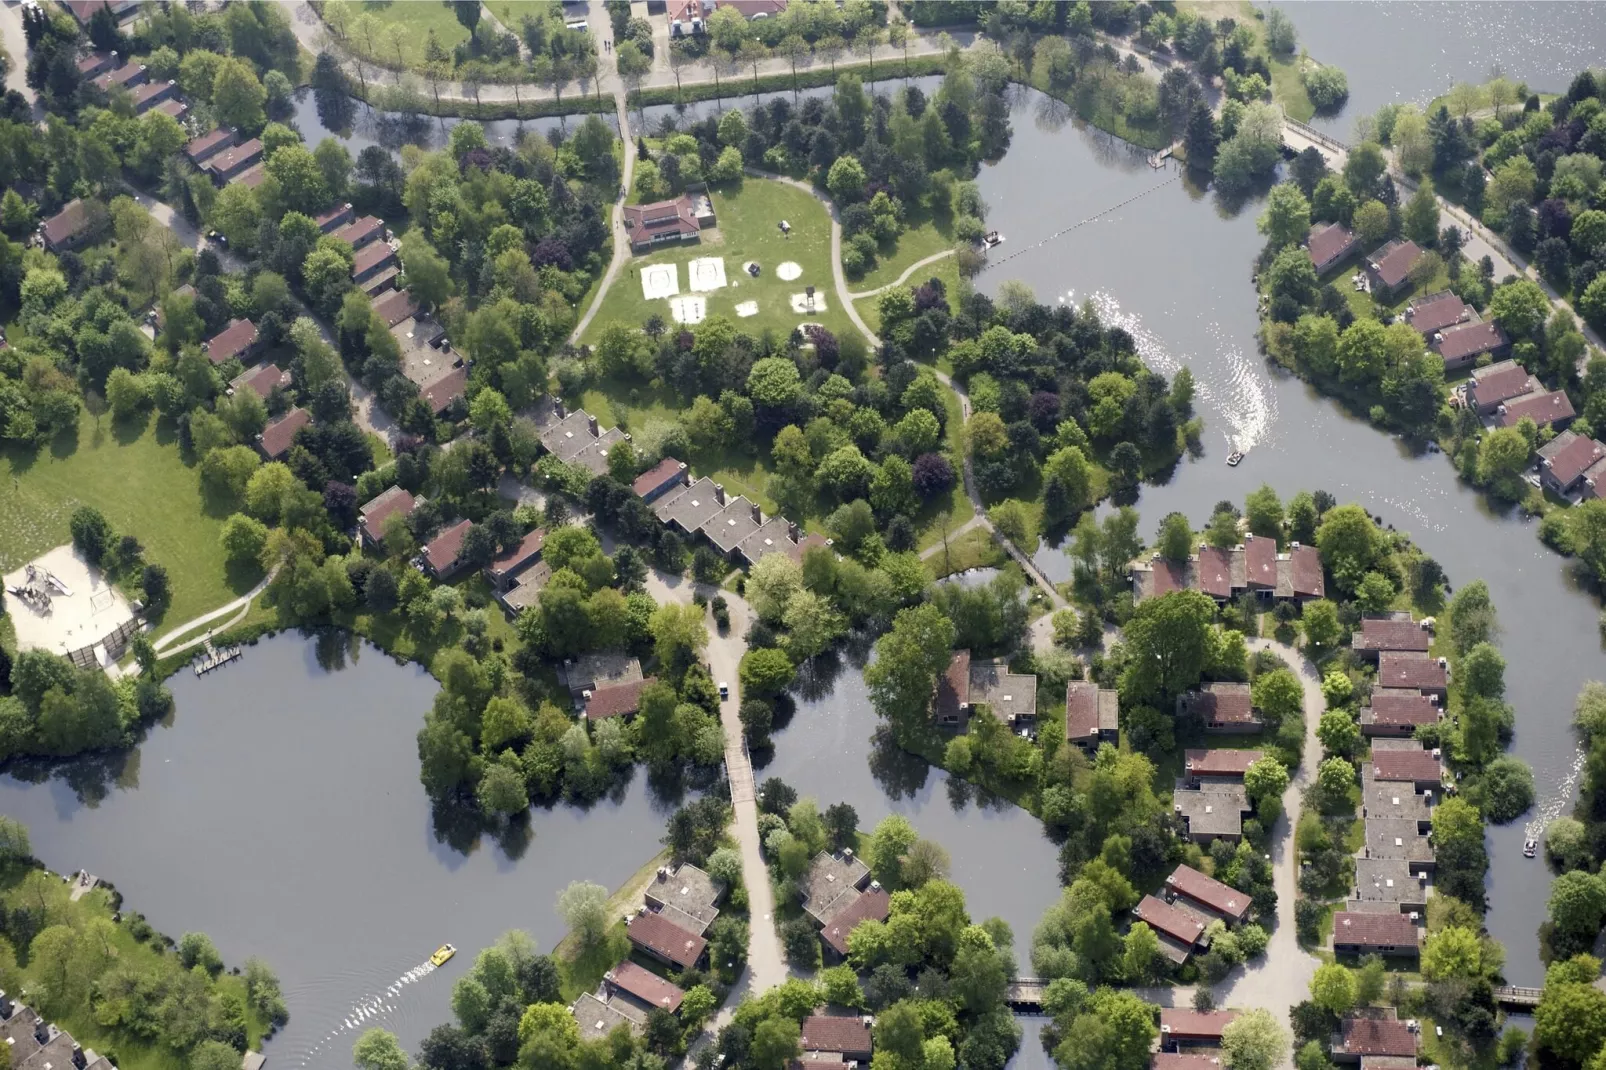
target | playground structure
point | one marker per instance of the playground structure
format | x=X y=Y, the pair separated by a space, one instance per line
x=61 y=603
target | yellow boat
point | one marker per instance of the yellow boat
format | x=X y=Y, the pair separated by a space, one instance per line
x=442 y=953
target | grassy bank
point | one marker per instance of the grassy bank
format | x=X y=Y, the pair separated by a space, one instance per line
x=892 y=68
x=576 y=104
x=582 y=970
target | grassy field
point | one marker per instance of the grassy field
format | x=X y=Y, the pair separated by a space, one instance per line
x=974 y=549
x=923 y=236
x=748 y=213
x=512 y=13
x=401 y=32
x=137 y=478
x=582 y=970
x=946 y=269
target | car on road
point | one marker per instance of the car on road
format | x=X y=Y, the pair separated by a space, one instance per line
x=724 y=689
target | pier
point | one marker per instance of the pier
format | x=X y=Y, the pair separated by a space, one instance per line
x=214 y=657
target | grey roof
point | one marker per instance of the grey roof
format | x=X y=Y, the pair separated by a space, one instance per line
x=773 y=538
x=1388 y=799
x=592 y=671
x=593 y=456
x=597 y=1019
x=568 y=436
x=1008 y=694
x=1215 y=808
x=832 y=884
x=687 y=896
x=1397 y=838
x=1388 y=880
x=733 y=524
x=691 y=508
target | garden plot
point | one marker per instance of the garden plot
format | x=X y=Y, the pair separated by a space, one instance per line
x=659 y=281
x=705 y=274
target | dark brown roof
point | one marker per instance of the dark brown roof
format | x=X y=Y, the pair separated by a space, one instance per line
x=874 y=904
x=1413 y=765
x=1213 y=572
x=96 y=62
x=396 y=306
x=361 y=230
x=1500 y=385
x=1223 y=703
x=1417 y=671
x=1220 y=761
x=445 y=390
x=1260 y=561
x=1168 y=576
x=71 y=221
x=263 y=378
x=663 y=472
x=278 y=436
x=1164 y=918
x=832 y=1032
x=231 y=341
x=1542 y=409
x=1395 y=261
x=646 y=986
x=663 y=937
x=204 y=146
x=235 y=157
x=1378 y=1036
x=953 y=687
x=332 y=217
x=174 y=108
x=1375 y=930
x=617 y=699
x=1081 y=710
x=1469 y=340
x=1436 y=312
x=1389 y=634
x=388 y=503
x=1306 y=568
x=252 y=176
x=153 y=89
x=122 y=76
x=1207 y=890
x=1178 y=1022
x=513 y=559
x=1173 y=1060
x=370 y=257
x=1573 y=458
x=1327 y=244
x=661 y=217
x=1392 y=707
x=443 y=549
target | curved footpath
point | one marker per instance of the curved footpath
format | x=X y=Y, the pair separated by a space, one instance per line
x=901 y=279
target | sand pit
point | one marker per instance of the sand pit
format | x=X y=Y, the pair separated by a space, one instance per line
x=688 y=310
x=89 y=611
x=788 y=271
x=747 y=308
x=659 y=281
x=707 y=273
x=804 y=304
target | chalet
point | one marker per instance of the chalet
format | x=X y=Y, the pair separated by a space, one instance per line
x=1213 y=810
x=1437 y=312
x=592 y=672
x=96 y=63
x=1009 y=696
x=833 y=883
x=232 y=160
x=84 y=10
x=1462 y=346
x=373 y=517
x=680 y=219
x=1422 y=769
x=645 y=988
x=1384 y=800
x=335 y=218
x=359 y=233
x=1212 y=573
x=370 y=260
x=1218 y=763
x=692 y=507
x=1380 y=934
x=150 y=94
x=1158 y=576
x=685 y=17
x=656 y=482
x=1390 y=267
x=728 y=528
x=1199 y=891
x=526 y=590
x=1389 y=885
x=1221 y=707
x=616 y=700
x=753 y=10
x=1380 y=1033
x=78 y=222
x=174 y=109
x=127 y=76
x=1175 y=1060
x=598 y=1017
x=395 y=306
x=36 y=1044
x=236 y=341
x=276 y=439
x=578 y=438
x=1260 y=564
x=1329 y=244
x=1180 y=1027
x=657 y=937
x=950 y=704
x=1399 y=839
x=1092 y=714
x=440 y=394
x=1180 y=932
x=442 y=557
x=515 y=559
x=1497 y=384
x=686 y=896
x=873 y=904
x=779 y=536
x=1398 y=712
x=1551 y=408
x=845 y=1035
x=1395 y=634
x=262 y=379
x=1564 y=460
x=1594 y=482
x=208 y=145
x=1299 y=574
x=1414 y=671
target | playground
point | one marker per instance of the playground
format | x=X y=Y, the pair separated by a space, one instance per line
x=61 y=603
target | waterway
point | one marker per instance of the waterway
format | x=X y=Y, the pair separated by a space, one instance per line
x=1173 y=268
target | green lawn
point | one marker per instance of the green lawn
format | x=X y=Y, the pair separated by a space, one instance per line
x=923 y=235
x=1288 y=88
x=512 y=13
x=946 y=269
x=137 y=478
x=413 y=21
x=748 y=213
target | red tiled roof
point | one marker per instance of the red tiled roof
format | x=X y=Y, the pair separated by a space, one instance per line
x=443 y=550
x=646 y=986
x=1306 y=567
x=1469 y=340
x=1260 y=561
x=445 y=390
x=1436 y=312
x=1415 y=671
x=1375 y=930
x=235 y=157
x=231 y=341
x=1081 y=709
x=874 y=904
x=661 y=217
x=1171 y=1060
x=832 y=1032
x=1178 y=1022
x=361 y=230
x=252 y=176
x=1541 y=409
x=1390 y=634
x=1327 y=244
x=508 y=560
x=1413 y=765
x=325 y=220
x=1164 y=918
x=174 y=108
x=1396 y=262
x=953 y=686
x=1378 y=1036
x=396 y=306
x=753 y=8
x=1207 y=890
x=1220 y=761
x=263 y=378
x=277 y=437
x=1168 y=576
x=616 y=699
x=1213 y=572
x=1574 y=459
x=1502 y=385
x=387 y=504
x=152 y=89
x=71 y=221
x=1391 y=707
x=658 y=934
x=1225 y=703
x=661 y=473
x=202 y=147
x=370 y=257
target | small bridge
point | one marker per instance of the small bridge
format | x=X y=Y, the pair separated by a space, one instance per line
x=1517 y=997
x=1298 y=137
x=1026 y=993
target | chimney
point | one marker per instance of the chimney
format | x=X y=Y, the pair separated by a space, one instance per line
x=592 y=423
x=758 y=514
x=791 y=530
x=719 y=493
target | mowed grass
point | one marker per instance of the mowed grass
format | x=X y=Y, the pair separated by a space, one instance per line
x=136 y=476
x=512 y=13
x=412 y=22
x=946 y=269
x=748 y=215
x=924 y=235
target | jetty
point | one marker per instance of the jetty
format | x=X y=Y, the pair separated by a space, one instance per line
x=214 y=657
x=82 y=882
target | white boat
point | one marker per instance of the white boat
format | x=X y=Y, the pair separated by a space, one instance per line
x=992 y=239
x=1530 y=848
x=1234 y=458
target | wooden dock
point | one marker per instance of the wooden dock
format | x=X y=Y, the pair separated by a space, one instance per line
x=82 y=883
x=213 y=657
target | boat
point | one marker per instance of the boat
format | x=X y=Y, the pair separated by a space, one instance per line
x=442 y=953
x=992 y=239
x=1530 y=848
x=1234 y=457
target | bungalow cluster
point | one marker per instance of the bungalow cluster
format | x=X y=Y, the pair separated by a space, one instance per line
x=1009 y=696
x=1256 y=567
x=1374 y=1039
x=35 y=1044
x=1183 y=912
x=1505 y=393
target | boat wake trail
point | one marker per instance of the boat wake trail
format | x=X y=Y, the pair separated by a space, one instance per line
x=368 y=1011
x=1556 y=803
x=1230 y=382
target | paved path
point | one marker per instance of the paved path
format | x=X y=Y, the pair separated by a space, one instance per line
x=17 y=48
x=901 y=279
x=241 y=604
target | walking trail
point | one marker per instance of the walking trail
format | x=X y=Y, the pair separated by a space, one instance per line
x=901 y=279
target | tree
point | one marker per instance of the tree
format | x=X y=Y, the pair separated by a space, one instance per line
x=378 y=1049
x=678 y=633
x=908 y=660
x=766 y=671
x=1201 y=137
x=583 y=906
x=1286 y=220
x=213 y=1055
x=1334 y=779
x=1339 y=733
x=1372 y=222
x=1167 y=639
x=1578 y=906
x=14 y=845
x=1254 y=1041
x=1265 y=779
x=1472 y=617
x=1350 y=544
x=1174 y=540
x=237 y=96
x=1570 y=1021
x=91 y=533
x=1333 y=988
x=846 y=180
x=1422 y=215
x=501 y=791
x=197 y=949
x=425 y=272
x=1264 y=511
x=776 y=1040
x=1520 y=307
